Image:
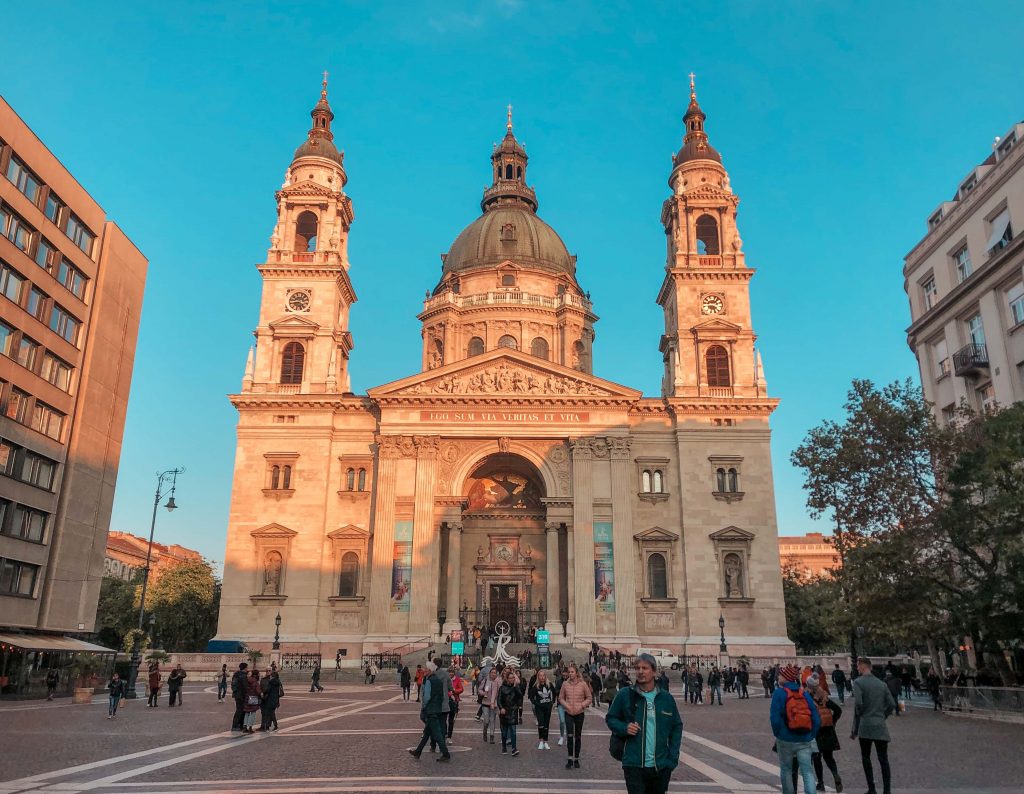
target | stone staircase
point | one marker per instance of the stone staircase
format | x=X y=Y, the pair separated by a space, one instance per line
x=569 y=653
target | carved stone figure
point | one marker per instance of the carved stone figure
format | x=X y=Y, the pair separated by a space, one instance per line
x=272 y=565
x=506 y=379
x=733 y=574
x=504 y=443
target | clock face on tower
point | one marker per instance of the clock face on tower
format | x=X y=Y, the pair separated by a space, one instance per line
x=298 y=301
x=712 y=304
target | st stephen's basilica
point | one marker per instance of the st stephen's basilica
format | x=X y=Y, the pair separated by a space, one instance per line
x=504 y=481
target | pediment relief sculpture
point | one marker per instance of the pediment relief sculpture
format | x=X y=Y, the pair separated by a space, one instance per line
x=505 y=378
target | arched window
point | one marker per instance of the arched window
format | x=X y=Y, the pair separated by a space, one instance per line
x=292 y=361
x=350 y=479
x=286 y=477
x=645 y=485
x=657 y=580
x=659 y=486
x=349 y=583
x=707 y=235
x=508 y=280
x=539 y=347
x=717 y=360
x=476 y=346
x=519 y=172
x=508 y=171
x=509 y=342
x=275 y=477
x=305 y=231
x=362 y=480
x=720 y=481
x=734 y=481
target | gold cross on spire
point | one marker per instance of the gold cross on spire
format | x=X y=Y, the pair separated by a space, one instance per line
x=325 y=80
x=508 y=124
x=693 y=90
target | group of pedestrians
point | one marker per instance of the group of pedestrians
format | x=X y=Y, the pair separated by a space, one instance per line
x=253 y=695
x=154 y=684
x=804 y=716
x=719 y=680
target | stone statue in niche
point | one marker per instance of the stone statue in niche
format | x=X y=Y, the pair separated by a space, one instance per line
x=733 y=576
x=272 y=565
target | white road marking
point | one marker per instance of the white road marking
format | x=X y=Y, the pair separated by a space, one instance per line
x=749 y=760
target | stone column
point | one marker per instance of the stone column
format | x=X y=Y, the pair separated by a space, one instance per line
x=622 y=540
x=383 y=537
x=583 y=536
x=454 y=575
x=569 y=584
x=425 y=559
x=552 y=599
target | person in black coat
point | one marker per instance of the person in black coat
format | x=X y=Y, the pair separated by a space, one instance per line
x=174 y=682
x=510 y=701
x=238 y=695
x=272 y=691
x=405 y=677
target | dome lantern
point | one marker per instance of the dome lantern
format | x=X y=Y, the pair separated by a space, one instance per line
x=508 y=168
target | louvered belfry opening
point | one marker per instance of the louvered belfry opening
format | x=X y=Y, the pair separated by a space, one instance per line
x=292 y=361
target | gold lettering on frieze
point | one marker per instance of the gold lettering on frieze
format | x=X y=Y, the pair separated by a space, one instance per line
x=486 y=417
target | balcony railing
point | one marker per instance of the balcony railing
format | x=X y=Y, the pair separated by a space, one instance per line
x=720 y=391
x=506 y=298
x=709 y=261
x=970 y=359
x=305 y=257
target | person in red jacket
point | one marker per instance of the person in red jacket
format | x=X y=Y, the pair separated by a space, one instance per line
x=454 y=698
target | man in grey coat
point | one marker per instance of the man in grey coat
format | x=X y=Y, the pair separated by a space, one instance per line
x=873 y=704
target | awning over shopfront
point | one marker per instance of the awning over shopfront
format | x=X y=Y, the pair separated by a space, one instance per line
x=51 y=642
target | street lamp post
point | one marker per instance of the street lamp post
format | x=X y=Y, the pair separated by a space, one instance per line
x=162 y=479
x=277 y=633
x=442 y=616
x=721 y=628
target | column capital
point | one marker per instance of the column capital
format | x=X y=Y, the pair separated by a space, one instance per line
x=426 y=446
x=454 y=526
x=552 y=526
x=581 y=448
x=395 y=446
x=619 y=447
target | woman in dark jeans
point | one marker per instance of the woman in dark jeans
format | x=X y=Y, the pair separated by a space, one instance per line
x=510 y=700
x=543 y=701
x=574 y=697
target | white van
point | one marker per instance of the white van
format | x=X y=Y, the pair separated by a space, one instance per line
x=664 y=658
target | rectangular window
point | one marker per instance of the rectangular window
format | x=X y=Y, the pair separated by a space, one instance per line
x=929 y=293
x=6 y=339
x=47 y=420
x=22 y=179
x=46 y=254
x=17 y=578
x=941 y=358
x=11 y=282
x=1020 y=373
x=37 y=300
x=72 y=278
x=28 y=352
x=1006 y=144
x=17 y=405
x=7 y=452
x=57 y=371
x=79 y=234
x=19 y=232
x=949 y=414
x=38 y=470
x=5 y=218
x=962 y=261
x=64 y=324
x=54 y=207
x=987 y=398
x=28 y=524
x=1015 y=300
x=1000 y=232
x=975 y=330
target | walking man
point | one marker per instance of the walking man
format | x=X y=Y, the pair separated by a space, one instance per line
x=174 y=682
x=430 y=714
x=238 y=685
x=315 y=685
x=405 y=678
x=795 y=722
x=839 y=679
x=715 y=685
x=52 y=679
x=647 y=721
x=222 y=683
x=873 y=703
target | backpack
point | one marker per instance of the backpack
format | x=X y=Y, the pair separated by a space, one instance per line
x=797 y=712
x=825 y=713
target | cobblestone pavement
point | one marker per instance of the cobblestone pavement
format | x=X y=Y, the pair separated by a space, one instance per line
x=353 y=738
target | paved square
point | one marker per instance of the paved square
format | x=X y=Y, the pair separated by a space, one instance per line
x=353 y=738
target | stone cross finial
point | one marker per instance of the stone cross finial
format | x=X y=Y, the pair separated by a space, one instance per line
x=508 y=124
x=325 y=80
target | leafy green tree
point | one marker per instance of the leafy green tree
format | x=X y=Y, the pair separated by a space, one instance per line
x=811 y=611
x=185 y=599
x=117 y=612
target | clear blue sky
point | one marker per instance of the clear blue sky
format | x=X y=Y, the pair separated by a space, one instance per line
x=841 y=124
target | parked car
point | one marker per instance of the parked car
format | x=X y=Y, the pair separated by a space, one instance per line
x=664 y=657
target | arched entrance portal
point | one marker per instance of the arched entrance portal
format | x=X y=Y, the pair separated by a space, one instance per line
x=503 y=520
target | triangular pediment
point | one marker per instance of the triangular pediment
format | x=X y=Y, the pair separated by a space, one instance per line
x=716 y=325
x=656 y=534
x=308 y=188
x=732 y=533
x=348 y=532
x=274 y=531
x=504 y=373
x=709 y=192
x=294 y=323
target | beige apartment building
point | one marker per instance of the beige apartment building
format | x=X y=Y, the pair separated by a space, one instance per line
x=965 y=282
x=812 y=554
x=505 y=481
x=126 y=556
x=71 y=287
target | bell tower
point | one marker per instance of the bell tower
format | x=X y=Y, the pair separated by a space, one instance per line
x=708 y=344
x=303 y=342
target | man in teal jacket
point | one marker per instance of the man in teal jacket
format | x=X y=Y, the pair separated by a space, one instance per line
x=647 y=719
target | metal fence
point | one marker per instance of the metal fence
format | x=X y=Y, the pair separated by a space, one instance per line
x=296 y=662
x=1005 y=702
x=384 y=660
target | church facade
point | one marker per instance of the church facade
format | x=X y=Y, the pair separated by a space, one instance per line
x=505 y=480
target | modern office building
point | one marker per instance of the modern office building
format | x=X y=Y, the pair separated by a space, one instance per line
x=71 y=287
x=965 y=282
